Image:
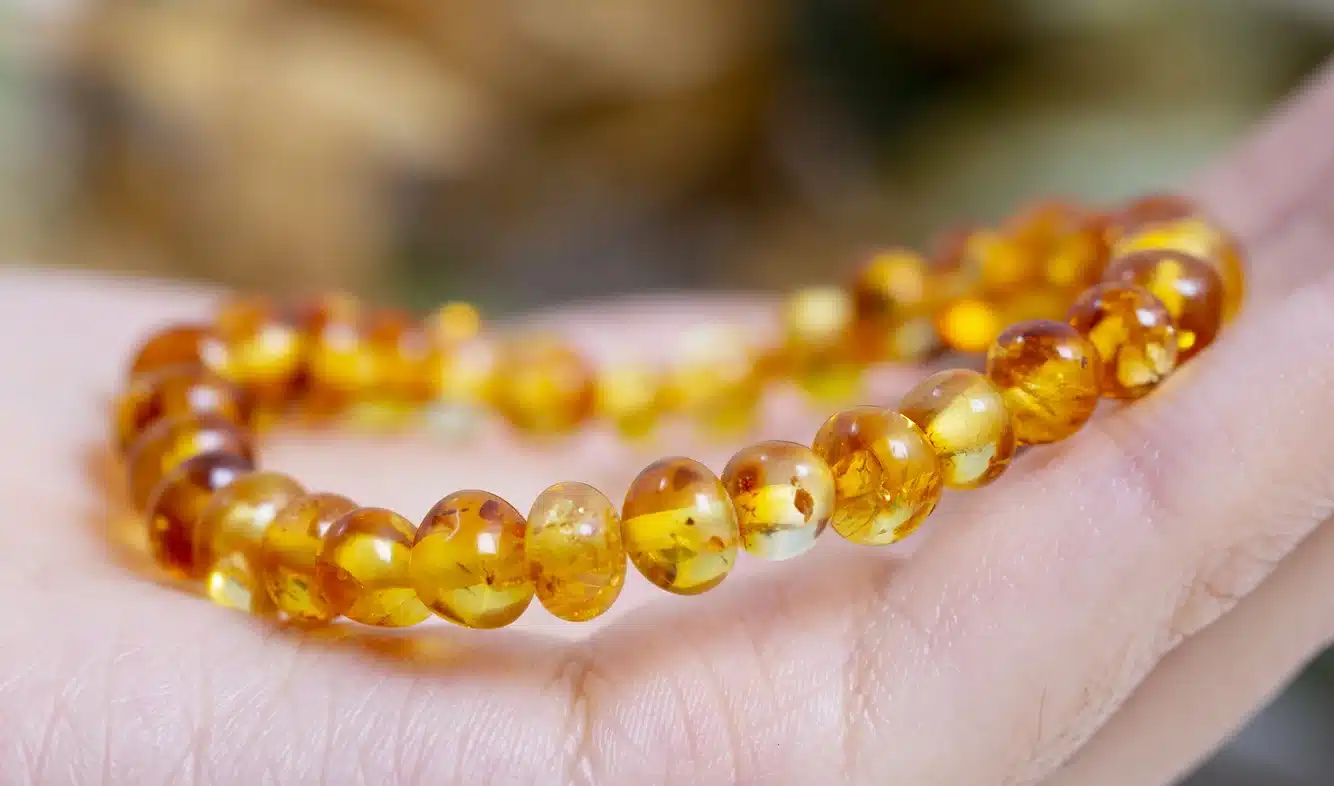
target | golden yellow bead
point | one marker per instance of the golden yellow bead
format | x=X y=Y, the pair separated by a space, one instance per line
x=715 y=380
x=886 y=476
x=453 y=323
x=174 y=392
x=1048 y=375
x=1198 y=237
x=969 y=324
x=1035 y=303
x=783 y=495
x=230 y=536
x=887 y=291
x=170 y=441
x=1190 y=289
x=289 y=556
x=543 y=386
x=964 y=418
x=181 y=345
x=264 y=351
x=1134 y=336
x=575 y=551
x=1069 y=244
x=463 y=383
x=997 y=260
x=680 y=529
x=177 y=503
x=341 y=367
x=818 y=325
x=404 y=355
x=468 y=561
x=630 y=398
x=363 y=569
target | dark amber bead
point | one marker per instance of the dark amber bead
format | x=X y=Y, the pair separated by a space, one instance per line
x=1189 y=288
x=177 y=505
x=181 y=345
x=177 y=391
x=1048 y=375
x=170 y=441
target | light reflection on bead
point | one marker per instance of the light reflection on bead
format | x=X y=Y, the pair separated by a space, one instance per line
x=178 y=502
x=680 y=529
x=290 y=552
x=231 y=534
x=170 y=441
x=173 y=392
x=575 y=551
x=363 y=569
x=1134 y=336
x=1190 y=289
x=1048 y=375
x=783 y=495
x=964 y=418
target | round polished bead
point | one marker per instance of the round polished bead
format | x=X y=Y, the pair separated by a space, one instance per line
x=181 y=345
x=363 y=569
x=1190 y=289
x=680 y=529
x=173 y=392
x=715 y=380
x=783 y=495
x=886 y=475
x=998 y=261
x=231 y=533
x=1201 y=238
x=468 y=561
x=963 y=416
x=341 y=367
x=169 y=441
x=264 y=351
x=543 y=386
x=575 y=551
x=1134 y=336
x=178 y=502
x=889 y=290
x=631 y=399
x=969 y=324
x=290 y=551
x=1048 y=375
x=818 y=330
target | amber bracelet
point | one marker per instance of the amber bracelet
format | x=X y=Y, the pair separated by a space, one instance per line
x=1104 y=304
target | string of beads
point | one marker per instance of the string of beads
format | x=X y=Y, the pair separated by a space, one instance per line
x=1103 y=304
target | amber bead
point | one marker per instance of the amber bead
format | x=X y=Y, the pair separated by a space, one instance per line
x=169 y=441
x=997 y=260
x=340 y=365
x=818 y=330
x=403 y=353
x=463 y=383
x=1070 y=244
x=1190 y=289
x=969 y=324
x=715 y=380
x=1048 y=375
x=453 y=323
x=1035 y=303
x=543 y=386
x=174 y=392
x=181 y=345
x=1134 y=336
x=890 y=289
x=230 y=533
x=963 y=416
x=783 y=495
x=264 y=351
x=468 y=561
x=1200 y=237
x=363 y=569
x=631 y=399
x=178 y=502
x=290 y=551
x=886 y=476
x=680 y=529
x=576 y=554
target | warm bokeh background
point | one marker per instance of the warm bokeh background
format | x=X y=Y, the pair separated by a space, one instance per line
x=523 y=152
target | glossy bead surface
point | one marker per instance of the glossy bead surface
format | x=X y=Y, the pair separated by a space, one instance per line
x=180 y=345
x=630 y=398
x=1189 y=288
x=543 y=386
x=963 y=416
x=468 y=561
x=264 y=351
x=169 y=441
x=715 y=380
x=178 y=502
x=363 y=569
x=886 y=475
x=783 y=495
x=173 y=392
x=1048 y=375
x=1134 y=336
x=290 y=551
x=575 y=551
x=680 y=529
x=1198 y=237
x=231 y=533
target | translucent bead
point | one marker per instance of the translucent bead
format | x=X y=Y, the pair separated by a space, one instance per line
x=170 y=441
x=543 y=386
x=817 y=325
x=264 y=351
x=783 y=495
x=289 y=555
x=363 y=569
x=998 y=261
x=231 y=533
x=340 y=365
x=969 y=324
x=680 y=530
x=964 y=418
x=1199 y=237
x=575 y=551
x=180 y=345
x=468 y=561
x=888 y=290
x=1190 y=289
x=1069 y=243
x=630 y=398
x=403 y=354
x=1035 y=303
x=1134 y=336
x=715 y=380
x=886 y=476
x=1048 y=375
x=175 y=392
x=178 y=502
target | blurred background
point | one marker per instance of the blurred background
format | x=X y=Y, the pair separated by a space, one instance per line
x=520 y=153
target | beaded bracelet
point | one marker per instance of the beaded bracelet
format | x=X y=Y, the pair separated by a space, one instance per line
x=1151 y=284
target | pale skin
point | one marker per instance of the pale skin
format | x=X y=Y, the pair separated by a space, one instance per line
x=1106 y=613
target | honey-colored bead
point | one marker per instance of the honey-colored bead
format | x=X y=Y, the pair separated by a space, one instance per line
x=463 y=383
x=1035 y=303
x=818 y=325
x=886 y=476
x=174 y=392
x=363 y=569
x=680 y=529
x=264 y=351
x=289 y=555
x=963 y=416
x=453 y=323
x=403 y=351
x=468 y=561
x=1134 y=336
x=1069 y=244
x=783 y=495
x=180 y=345
x=999 y=262
x=1147 y=210
x=715 y=380
x=178 y=502
x=630 y=398
x=575 y=551
x=170 y=441
x=890 y=289
x=231 y=533
x=1199 y=237
x=341 y=366
x=543 y=386
x=969 y=324
x=1048 y=375
x=1190 y=289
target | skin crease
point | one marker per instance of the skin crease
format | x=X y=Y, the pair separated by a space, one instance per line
x=1074 y=622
